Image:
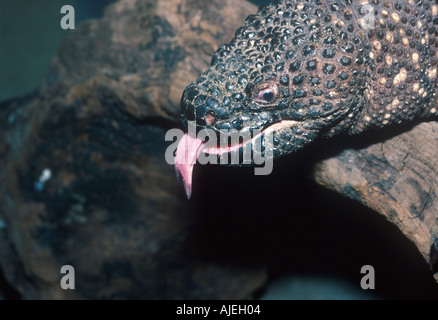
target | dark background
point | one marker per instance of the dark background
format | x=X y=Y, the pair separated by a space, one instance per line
x=319 y=249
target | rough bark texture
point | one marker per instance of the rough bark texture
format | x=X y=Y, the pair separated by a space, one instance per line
x=111 y=206
x=398 y=178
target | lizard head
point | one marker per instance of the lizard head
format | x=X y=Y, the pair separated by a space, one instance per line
x=289 y=71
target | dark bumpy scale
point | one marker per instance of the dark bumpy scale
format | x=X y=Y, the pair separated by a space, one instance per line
x=321 y=67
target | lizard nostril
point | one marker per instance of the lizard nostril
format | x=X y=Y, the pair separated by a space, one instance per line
x=209 y=119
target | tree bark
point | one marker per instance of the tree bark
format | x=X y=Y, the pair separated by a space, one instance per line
x=84 y=181
x=397 y=178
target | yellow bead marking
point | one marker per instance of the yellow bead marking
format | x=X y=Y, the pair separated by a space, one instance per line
x=389 y=37
x=401 y=76
x=432 y=73
x=415 y=57
x=388 y=60
x=416 y=86
x=377 y=45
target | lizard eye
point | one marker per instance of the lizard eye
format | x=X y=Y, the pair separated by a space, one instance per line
x=267 y=93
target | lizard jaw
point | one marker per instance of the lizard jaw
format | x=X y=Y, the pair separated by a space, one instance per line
x=189 y=148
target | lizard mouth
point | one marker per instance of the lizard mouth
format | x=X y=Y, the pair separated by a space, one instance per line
x=189 y=148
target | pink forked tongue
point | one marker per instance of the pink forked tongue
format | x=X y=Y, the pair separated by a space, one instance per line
x=187 y=152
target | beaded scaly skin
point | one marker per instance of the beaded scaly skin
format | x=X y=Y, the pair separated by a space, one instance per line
x=321 y=67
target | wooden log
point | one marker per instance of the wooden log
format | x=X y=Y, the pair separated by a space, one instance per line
x=83 y=176
x=397 y=178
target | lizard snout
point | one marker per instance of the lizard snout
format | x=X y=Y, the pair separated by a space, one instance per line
x=205 y=109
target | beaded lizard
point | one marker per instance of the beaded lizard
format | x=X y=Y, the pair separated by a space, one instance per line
x=313 y=68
